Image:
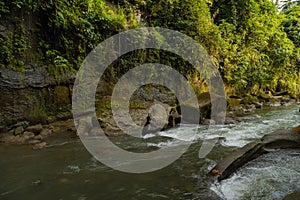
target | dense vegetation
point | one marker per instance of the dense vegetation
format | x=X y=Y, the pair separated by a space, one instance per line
x=255 y=47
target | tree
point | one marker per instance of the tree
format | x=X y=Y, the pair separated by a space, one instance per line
x=286 y=4
x=257 y=55
x=291 y=24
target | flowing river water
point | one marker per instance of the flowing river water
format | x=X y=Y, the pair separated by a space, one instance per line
x=65 y=170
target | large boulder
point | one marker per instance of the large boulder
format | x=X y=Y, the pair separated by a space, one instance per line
x=36 y=129
x=281 y=139
x=192 y=109
x=292 y=196
x=160 y=117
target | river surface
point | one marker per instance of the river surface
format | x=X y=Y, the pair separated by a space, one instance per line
x=66 y=170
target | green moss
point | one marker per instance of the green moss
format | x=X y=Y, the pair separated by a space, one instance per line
x=136 y=104
x=62 y=96
x=37 y=114
x=249 y=99
x=233 y=102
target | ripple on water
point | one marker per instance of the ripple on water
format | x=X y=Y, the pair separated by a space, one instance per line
x=72 y=169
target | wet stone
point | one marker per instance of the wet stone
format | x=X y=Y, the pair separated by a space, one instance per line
x=36 y=129
x=19 y=130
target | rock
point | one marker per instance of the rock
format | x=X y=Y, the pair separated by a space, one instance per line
x=292 y=196
x=34 y=142
x=8 y=139
x=258 y=105
x=208 y=122
x=19 y=130
x=237 y=109
x=286 y=98
x=230 y=120
x=273 y=104
x=84 y=125
x=17 y=140
x=249 y=99
x=25 y=124
x=281 y=139
x=296 y=130
x=37 y=83
x=204 y=99
x=38 y=137
x=155 y=92
x=290 y=102
x=265 y=97
x=36 y=182
x=28 y=135
x=56 y=129
x=40 y=145
x=272 y=101
x=232 y=102
x=46 y=132
x=36 y=129
x=33 y=76
x=73 y=129
x=62 y=95
x=250 y=108
x=95 y=132
x=160 y=117
x=157 y=119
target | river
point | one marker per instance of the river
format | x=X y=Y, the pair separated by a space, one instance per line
x=65 y=170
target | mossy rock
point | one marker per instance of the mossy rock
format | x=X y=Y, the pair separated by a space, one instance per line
x=204 y=99
x=137 y=104
x=232 y=102
x=265 y=97
x=273 y=100
x=62 y=95
x=249 y=99
x=296 y=130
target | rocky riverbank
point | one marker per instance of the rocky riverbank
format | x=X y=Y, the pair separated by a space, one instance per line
x=239 y=109
x=33 y=101
x=35 y=135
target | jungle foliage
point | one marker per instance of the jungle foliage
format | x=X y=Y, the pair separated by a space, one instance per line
x=255 y=47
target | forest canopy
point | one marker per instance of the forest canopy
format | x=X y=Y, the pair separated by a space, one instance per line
x=255 y=45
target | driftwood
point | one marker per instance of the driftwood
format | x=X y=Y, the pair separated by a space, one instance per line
x=281 y=139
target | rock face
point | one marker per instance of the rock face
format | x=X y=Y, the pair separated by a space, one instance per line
x=32 y=95
x=281 y=139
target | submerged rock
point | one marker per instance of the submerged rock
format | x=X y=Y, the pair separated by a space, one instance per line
x=281 y=139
